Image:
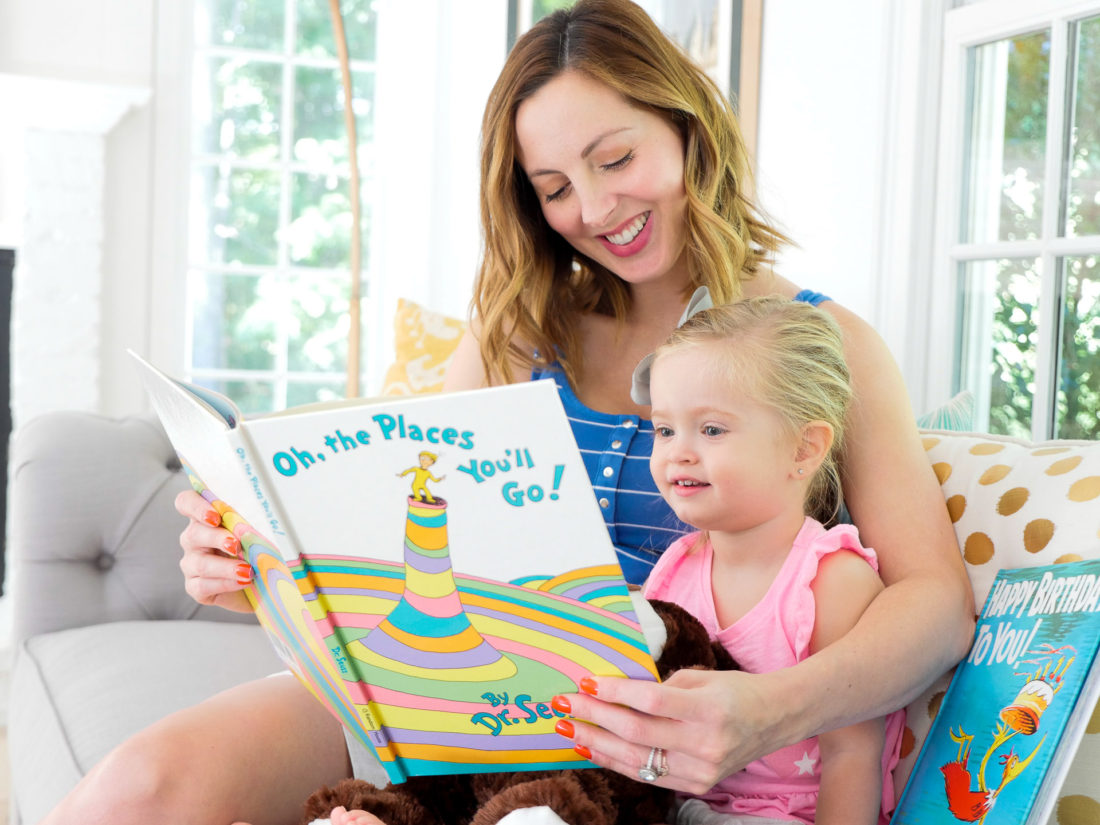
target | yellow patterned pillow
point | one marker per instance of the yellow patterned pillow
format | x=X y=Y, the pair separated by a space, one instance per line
x=1018 y=504
x=424 y=342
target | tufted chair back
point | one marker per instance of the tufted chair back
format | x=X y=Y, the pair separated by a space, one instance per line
x=93 y=530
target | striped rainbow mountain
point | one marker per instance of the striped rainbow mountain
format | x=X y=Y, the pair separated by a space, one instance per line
x=441 y=672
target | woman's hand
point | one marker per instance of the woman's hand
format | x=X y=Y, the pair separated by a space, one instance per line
x=212 y=568
x=709 y=723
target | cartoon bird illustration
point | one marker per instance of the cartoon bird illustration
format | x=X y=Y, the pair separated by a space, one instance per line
x=965 y=804
x=970 y=805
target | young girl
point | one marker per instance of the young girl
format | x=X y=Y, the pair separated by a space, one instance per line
x=749 y=402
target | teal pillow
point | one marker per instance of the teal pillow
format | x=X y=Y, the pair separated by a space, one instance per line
x=956 y=415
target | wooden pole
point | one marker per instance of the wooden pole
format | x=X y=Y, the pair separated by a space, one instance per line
x=748 y=96
x=355 y=288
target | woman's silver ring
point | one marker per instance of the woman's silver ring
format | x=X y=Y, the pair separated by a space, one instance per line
x=655 y=767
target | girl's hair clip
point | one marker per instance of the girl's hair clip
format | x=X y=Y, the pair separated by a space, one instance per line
x=639 y=381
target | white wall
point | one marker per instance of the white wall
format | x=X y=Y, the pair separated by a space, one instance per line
x=447 y=56
x=820 y=141
x=108 y=43
x=846 y=157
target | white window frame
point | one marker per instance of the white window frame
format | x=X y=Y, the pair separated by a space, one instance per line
x=436 y=64
x=964 y=27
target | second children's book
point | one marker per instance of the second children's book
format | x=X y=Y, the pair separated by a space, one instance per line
x=1017 y=706
x=434 y=569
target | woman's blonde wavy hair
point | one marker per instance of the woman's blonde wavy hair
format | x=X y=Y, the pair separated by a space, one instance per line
x=790 y=356
x=532 y=285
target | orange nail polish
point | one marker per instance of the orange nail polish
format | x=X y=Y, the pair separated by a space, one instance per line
x=588 y=685
x=231 y=545
x=212 y=518
x=565 y=728
x=561 y=704
x=244 y=572
x=583 y=751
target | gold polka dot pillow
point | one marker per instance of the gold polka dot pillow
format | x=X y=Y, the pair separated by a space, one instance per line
x=1017 y=504
x=424 y=342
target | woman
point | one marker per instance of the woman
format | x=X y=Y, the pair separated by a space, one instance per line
x=614 y=182
x=614 y=151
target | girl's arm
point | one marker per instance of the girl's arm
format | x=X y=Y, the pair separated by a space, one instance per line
x=851 y=757
x=851 y=774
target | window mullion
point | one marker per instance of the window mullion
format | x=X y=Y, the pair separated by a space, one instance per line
x=1050 y=311
x=286 y=156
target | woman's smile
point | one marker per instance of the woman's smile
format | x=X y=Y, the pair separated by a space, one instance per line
x=630 y=238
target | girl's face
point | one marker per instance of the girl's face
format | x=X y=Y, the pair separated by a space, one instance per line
x=609 y=176
x=722 y=460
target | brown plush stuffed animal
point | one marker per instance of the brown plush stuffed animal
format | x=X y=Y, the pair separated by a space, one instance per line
x=579 y=797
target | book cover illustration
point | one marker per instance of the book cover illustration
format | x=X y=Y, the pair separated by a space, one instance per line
x=1017 y=706
x=433 y=569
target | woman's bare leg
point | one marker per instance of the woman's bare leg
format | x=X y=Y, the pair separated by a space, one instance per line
x=253 y=753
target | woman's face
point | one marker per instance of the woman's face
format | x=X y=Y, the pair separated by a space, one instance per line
x=609 y=176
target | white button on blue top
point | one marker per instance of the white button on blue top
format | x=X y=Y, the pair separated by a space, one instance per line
x=608 y=472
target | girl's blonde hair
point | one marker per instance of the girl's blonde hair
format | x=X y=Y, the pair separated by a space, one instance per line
x=532 y=286
x=790 y=356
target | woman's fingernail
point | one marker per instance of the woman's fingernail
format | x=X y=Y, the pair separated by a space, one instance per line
x=244 y=574
x=588 y=685
x=561 y=704
x=565 y=728
x=231 y=545
x=583 y=751
x=212 y=518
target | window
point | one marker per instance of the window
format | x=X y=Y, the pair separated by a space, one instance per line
x=1018 y=237
x=270 y=219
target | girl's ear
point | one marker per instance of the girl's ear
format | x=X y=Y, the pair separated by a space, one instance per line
x=816 y=441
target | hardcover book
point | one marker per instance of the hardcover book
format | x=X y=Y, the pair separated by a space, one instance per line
x=1017 y=706
x=434 y=569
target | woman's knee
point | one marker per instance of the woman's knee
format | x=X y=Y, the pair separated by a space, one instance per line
x=144 y=775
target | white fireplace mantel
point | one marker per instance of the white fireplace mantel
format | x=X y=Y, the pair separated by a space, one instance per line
x=64 y=106
x=56 y=297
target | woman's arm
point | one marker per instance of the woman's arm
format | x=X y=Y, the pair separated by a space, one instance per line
x=712 y=724
x=467 y=371
x=923 y=622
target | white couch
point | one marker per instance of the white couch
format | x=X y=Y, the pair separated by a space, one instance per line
x=106 y=640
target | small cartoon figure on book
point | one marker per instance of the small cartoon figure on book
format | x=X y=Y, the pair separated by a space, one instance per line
x=421 y=475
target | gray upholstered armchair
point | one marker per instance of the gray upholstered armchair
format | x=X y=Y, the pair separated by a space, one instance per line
x=105 y=638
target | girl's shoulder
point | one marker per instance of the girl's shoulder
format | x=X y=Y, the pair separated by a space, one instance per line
x=670 y=561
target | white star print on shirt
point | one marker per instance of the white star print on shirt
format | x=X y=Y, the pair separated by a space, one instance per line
x=805 y=764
